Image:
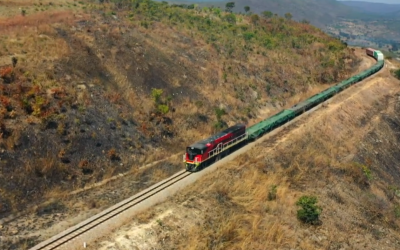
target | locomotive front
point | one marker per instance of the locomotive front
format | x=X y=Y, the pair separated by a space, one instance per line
x=194 y=156
x=204 y=152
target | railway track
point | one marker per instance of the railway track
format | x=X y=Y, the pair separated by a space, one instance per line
x=76 y=237
x=101 y=224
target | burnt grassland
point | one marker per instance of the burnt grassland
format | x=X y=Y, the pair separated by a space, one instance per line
x=91 y=90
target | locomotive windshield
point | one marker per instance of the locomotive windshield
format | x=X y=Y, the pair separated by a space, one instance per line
x=193 y=151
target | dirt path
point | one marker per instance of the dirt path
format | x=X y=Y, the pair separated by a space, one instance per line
x=348 y=107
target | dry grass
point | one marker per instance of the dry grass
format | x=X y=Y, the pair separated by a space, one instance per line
x=12 y=8
x=35 y=21
x=309 y=163
x=346 y=168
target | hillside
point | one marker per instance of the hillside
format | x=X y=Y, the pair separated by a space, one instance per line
x=345 y=154
x=90 y=91
x=356 y=23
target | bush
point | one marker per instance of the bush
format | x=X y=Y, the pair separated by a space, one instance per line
x=163 y=109
x=219 y=112
x=156 y=95
x=248 y=36
x=231 y=18
x=397 y=211
x=113 y=155
x=309 y=212
x=397 y=74
x=220 y=125
x=272 y=193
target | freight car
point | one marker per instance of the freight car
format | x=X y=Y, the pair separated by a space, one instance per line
x=205 y=152
x=375 y=54
x=370 y=52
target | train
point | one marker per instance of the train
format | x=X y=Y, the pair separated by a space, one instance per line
x=207 y=151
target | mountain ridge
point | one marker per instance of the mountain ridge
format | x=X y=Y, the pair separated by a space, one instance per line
x=378 y=8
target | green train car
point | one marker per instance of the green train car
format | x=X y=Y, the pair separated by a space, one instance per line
x=286 y=115
x=269 y=124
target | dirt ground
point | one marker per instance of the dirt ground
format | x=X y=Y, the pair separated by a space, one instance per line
x=345 y=123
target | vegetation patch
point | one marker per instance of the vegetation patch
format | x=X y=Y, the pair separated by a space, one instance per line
x=309 y=210
x=397 y=74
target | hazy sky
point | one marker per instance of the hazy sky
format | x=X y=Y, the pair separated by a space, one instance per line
x=379 y=1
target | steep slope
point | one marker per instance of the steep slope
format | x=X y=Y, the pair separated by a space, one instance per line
x=345 y=154
x=81 y=106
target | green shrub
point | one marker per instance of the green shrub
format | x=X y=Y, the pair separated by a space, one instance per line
x=397 y=74
x=231 y=18
x=163 y=109
x=248 y=36
x=156 y=95
x=397 y=211
x=219 y=125
x=272 y=193
x=219 y=113
x=309 y=212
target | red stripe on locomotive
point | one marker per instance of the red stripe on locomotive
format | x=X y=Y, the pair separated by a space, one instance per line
x=199 y=151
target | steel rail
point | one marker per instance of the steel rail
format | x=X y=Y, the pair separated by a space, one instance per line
x=107 y=215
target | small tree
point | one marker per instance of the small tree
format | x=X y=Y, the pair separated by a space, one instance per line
x=305 y=21
x=246 y=8
x=229 y=6
x=288 y=16
x=217 y=11
x=231 y=18
x=220 y=123
x=267 y=14
x=156 y=95
x=254 y=19
x=309 y=212
x=163 y=109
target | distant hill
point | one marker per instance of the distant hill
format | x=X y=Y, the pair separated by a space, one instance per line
x=378 y=8
x=396 y=14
